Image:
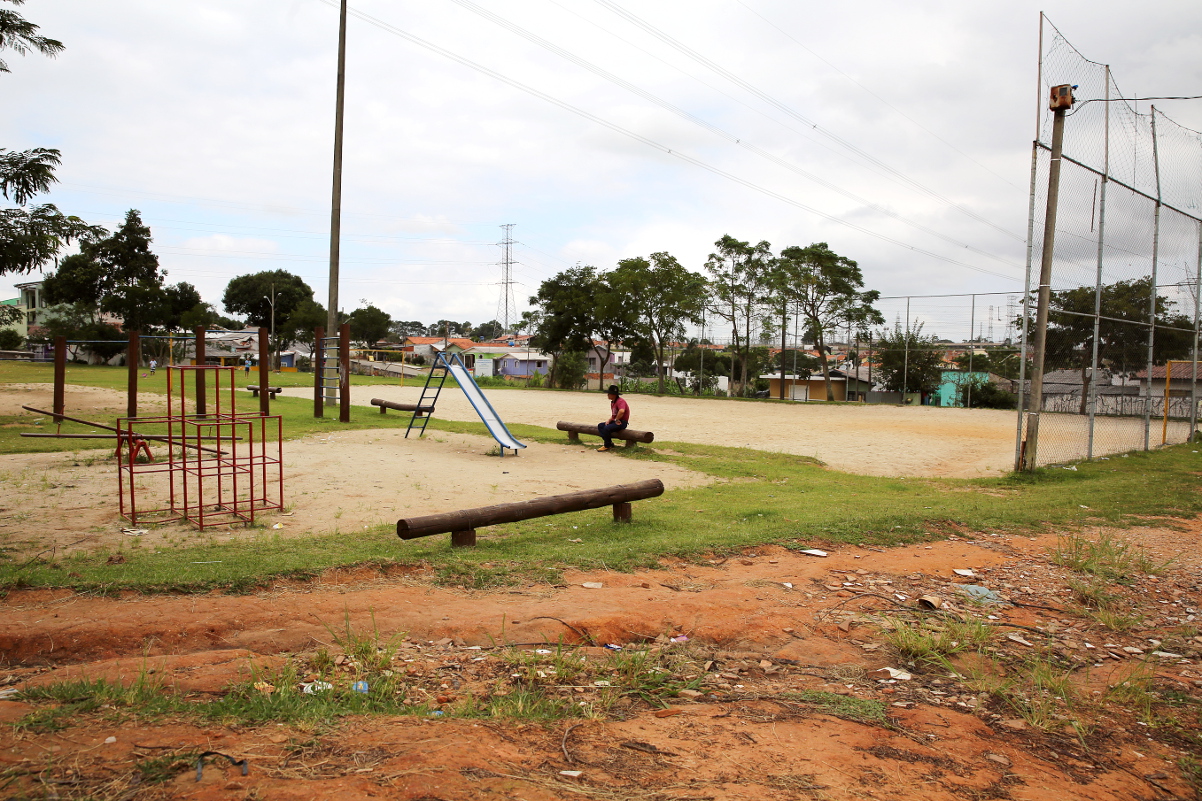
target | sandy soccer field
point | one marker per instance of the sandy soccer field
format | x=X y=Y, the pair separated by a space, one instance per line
x=870 y=440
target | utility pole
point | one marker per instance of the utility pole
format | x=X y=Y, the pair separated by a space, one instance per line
x=506 y=304
x=336 y=195
x=1061 y=101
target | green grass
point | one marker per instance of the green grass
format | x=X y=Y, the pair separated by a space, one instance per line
x=847 y=707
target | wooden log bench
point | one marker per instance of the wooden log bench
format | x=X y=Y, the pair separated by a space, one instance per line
x=631 y=436
x=462 y=525
x=271 y=391
x=401 y=407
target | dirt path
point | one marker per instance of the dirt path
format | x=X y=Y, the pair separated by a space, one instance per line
x=769 y=627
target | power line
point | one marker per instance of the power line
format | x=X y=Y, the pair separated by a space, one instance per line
x=395 y=31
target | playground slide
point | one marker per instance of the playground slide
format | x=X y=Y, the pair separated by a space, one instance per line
x=483 y=408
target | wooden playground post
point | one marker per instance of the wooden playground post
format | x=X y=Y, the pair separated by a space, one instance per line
x=318 y=364
x=264 y=373
x=201 y=358
x=60 y=378
x=344 y=373
x=132 y=357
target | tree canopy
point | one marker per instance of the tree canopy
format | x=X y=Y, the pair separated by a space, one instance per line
x=369 y=325
x=20 y=35
x=250 y=296
x=739 y=280
x=908 y=361
x=663 y=296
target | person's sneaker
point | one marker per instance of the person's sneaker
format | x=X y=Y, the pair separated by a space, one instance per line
x=605 y=448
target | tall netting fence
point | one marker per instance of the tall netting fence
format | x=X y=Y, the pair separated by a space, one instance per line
x=1120 y=370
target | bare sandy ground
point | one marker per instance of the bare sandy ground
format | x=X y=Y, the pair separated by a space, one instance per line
x=870 y=440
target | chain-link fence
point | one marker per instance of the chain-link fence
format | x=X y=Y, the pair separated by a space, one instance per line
x=1120 y=369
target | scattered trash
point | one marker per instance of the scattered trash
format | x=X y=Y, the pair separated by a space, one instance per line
x=437 y=713
x=135 y=532
x=200 y=763
x=930 y=601
x=1019 y=639
x=788 y=585
x=8 y=692
x=572 y=774
x=813 y=552
x=680 y=638
x=979 y=593
x=577 y=539
x=1072 y=467
x=542 y=651
x=278 y=525
x=592 y=585
x=215 y=562
x=359 y=687
x=110 y=740
x=966 y=572
x=1083 y=506
x=316 y=687
x=600 y=683
x=896 y=673
x=612 y=647
x=1167 y=655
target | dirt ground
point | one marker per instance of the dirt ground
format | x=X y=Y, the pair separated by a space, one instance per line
x=766 y=627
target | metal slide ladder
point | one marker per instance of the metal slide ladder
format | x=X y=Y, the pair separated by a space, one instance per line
x=429 y=398
x=330 y=377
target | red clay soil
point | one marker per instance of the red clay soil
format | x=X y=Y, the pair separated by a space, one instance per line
x=768 y=626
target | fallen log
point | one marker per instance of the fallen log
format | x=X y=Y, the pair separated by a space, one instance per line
x=462 y=525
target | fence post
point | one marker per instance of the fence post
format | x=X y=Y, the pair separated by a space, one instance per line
x=1152 y=287
x=344 y=373
x=264 y=373
x=132 y=357
x=202 y=359
x=60 y=377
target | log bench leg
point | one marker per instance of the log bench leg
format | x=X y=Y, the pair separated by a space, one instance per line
x=622 y=512
x=630 y=443
x=383 y=410
x=574 y=436
x=463 y=539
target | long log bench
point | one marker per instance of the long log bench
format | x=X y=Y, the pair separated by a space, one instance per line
x=462 y=525
x=401 y=407
x=271 y=391
x=629 y=434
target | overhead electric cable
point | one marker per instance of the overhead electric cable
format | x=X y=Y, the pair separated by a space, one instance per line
x=786 y=109
x=392 y=29
x=732 y=138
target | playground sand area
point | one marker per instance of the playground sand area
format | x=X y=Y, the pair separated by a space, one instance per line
x=800 y=694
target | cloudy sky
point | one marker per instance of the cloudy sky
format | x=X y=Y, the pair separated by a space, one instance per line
x=601 y=129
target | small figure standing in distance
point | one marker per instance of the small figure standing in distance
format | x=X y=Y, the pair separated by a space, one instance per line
x=619 y=418
x=154 y=365
x=246 y=367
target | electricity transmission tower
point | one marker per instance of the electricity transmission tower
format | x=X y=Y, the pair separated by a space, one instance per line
x=506 y=311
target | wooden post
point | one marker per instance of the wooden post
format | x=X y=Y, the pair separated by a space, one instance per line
x=60 y=378
x=132 y=357
x=344 y=373
x=574 y=436
x=318 y=364
x=264 y=373
x=622 y=512
x=463 y=539
x=201 y=384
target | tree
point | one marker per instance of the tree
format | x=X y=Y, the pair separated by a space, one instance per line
x=825 y=288
x=999 y=361
x=1122 y=329
x=369 y=325
x=21 y=35
x=31 y=237
x=564 y=316
x=909 y=362
x=489 y=330
x=250 y=296
x=704 y=365
x=981 y=393
x=739 y=281
x=10 y=339
x=304 y=322
x=665 y=297
x=796 y=362
x=407 y=328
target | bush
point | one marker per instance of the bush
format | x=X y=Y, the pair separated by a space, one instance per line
x=10 y=339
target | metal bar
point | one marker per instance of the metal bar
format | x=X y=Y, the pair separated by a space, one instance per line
x=1097 y=301
x=1193 y=391
x=1152 y=285
x=201 y=359
x=319 y=361
x=133 y=355
x=344 y=373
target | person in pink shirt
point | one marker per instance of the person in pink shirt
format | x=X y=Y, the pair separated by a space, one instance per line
x=619 y=418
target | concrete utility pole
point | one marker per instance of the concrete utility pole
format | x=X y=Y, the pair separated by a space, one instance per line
x=336 y=198
x=1061 y=101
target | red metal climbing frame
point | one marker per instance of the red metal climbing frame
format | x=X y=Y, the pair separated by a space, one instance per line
x=221 y=467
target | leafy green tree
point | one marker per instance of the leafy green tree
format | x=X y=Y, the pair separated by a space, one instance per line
x=665 y=296
x=485 y=331
x=369 y=325
x=31 y=237
x=250 y=296
x=908 y=361
x=999 y=361
x=796 y=362
x=11 y=314
x=21 y=35
x=571 y=369
x=304 y=322
x=203 y=315
x=981 y=393
x=704 y=366
x=10 y=339
x=739 y=280
x=564 y=316
x=400 y=329
x=79 y=321
x=826 y=289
